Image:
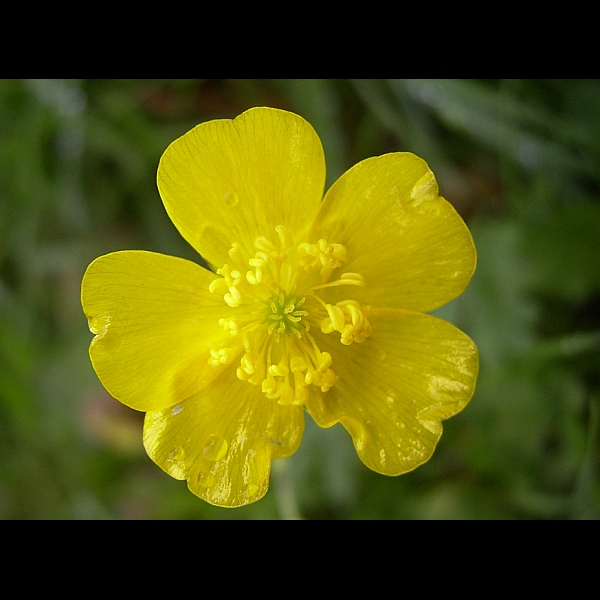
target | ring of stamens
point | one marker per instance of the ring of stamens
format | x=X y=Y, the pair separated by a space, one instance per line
x=274 y=300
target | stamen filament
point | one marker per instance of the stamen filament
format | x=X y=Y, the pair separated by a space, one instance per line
x=345 y=279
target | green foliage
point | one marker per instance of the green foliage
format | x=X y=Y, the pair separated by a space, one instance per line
x=519 y=159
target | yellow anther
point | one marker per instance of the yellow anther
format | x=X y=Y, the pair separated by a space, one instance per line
x=335 y=321
x=321 y=256
x=269 y=385
x=349 y=319
x=246 y=364
x=323 y=380
x=214 y=358
x=352 y=279
x=325 y=361
x=355 y=314
x=312 y=377
x=217 y=286
x=285 y=239
x=259 y=261
x=328 y=380
x=278 y=370
x=229 y=275
x=235 y=253
x=230 y=325
x=221 y=356
x=339 y=251
x=234 y=297
x=227 y=285
x=326 y=325
x=243 y=375
x=347 y=336
x=331 y=255
x=306 y=249
x=254 y=277
x=359 y=329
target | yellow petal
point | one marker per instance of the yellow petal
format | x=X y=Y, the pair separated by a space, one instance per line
x=411 y=246
x=233 y=180
x=154 y=321
x=222 y=440
x=395 y=388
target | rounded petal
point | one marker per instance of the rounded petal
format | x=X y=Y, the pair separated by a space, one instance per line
x=154 y=321
x=411 y=246
x=223 y=439
x=396 y=387
x=233 y=180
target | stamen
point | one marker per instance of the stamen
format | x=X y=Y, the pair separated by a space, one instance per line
x=285 y=239
x=349 y=319
x=235 y=253
x=254 y=277
x=217 y=285
x=321 y=256
x=345 y=279
x=234 y=297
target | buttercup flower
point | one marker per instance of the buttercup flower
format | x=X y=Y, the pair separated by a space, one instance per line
x=313 y=304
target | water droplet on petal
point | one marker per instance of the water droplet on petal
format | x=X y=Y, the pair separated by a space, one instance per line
x=176 y=409
x=206 y=480
x=250 y=474
x=425 y=189
x=382 y=457
x=231 y=198
x=175 y=463
x=99 y=325
x=434 y=427
x=215 y=448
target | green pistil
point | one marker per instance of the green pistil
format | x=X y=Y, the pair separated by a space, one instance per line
x=284 y=315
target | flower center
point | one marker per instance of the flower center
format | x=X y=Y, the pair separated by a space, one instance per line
x=274 y=300
x=285 y=316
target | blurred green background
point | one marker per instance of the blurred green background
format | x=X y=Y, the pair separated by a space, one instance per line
x=519 y=159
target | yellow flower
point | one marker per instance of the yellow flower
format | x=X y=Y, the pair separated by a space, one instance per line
x=312 y=303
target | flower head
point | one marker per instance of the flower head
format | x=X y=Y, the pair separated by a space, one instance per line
x=313 y=304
